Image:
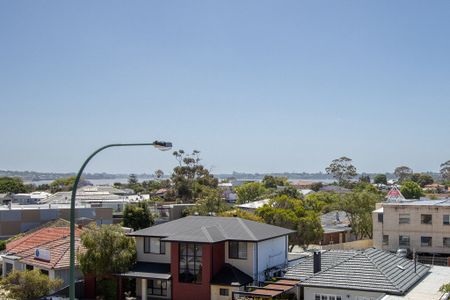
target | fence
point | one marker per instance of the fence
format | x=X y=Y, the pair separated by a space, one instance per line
x=433 y=260
x=361 y=244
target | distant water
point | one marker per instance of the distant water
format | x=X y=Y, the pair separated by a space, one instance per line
x=125 y=180
x=93 y=181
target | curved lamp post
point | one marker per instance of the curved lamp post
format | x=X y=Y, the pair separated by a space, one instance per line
x=163 y=146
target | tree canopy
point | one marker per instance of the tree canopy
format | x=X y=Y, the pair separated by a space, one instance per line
x=190 y=178
x=28 y=284
x=403 y=173
x=107 y=251
x=422 y=179
x=445 y=170
x=137 y=216
x=289 y=213
x=66 y=184
x=380 y=179
x=243 y=214
x=13 y=185
x=342 y=170
x=250 y=191
x=411 y=190
x=359 y=206
x=209 y=203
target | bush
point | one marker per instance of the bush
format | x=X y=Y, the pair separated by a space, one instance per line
x=2 y=245
x=107 y=288
x=28 y=284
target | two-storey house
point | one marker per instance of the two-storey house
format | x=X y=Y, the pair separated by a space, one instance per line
x=205 y=257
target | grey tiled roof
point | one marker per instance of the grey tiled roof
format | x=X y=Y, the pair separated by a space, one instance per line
x=369 y=270
x=213 y=229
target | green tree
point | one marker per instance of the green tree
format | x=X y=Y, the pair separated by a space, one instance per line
x=342 y=169
x=364 y=178
x=403 y=173
x=316 y=186
x=289 y=191
x=13 y=185
x=445 y=288
x=250 y=191
x=321 y=201
x=133 y=183
x=380 y=179
x=28 y=284
x=243 y=214
x=159 y=174
x=210 y=202
x=445 y=170
x=290 y=213
x=422 y=179
x=359 y=207
x=272 y=182
x=190 y=178
x=66 y=184
x=137 y=216
x=2 y=245
x=309 y=230
x=411 y=190
x=107 y=251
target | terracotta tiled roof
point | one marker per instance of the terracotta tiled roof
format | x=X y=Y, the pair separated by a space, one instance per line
x=55 y=240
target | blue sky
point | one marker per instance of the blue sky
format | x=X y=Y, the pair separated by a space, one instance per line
x=256 y=86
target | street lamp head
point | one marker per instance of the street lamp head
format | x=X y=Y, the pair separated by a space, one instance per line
x=163 y=146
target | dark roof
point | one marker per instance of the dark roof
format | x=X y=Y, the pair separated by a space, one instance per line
x=229 y=275
x=212 y=229
x=368 y=270
x=148 y=270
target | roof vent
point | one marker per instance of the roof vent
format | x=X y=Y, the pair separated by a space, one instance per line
x=401 y=267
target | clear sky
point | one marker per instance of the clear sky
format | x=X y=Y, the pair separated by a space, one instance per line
x=256 y=86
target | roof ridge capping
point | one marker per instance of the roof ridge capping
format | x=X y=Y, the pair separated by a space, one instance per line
x=370 y=252
x=246 y=228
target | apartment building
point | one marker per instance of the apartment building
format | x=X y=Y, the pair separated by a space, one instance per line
x=205 y=257
x=423 y=225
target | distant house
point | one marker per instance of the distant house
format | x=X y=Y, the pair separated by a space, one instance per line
x=254 y=205
x=228 y=192
x=46 y=249
x=371 y=274
x=205 y=258
x=336 y=228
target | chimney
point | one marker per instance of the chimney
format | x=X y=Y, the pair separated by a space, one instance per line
x=317 y=262
x=337 y=217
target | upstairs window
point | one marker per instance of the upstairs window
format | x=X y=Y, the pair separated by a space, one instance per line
x=190 y=263
x=425 y=241
x=403 y=219
x=426 y=219
x=154 y=245
x=385 y=240
x=446 y=242
x=403 y=240
x=380 y=218
x=446 y=220
x=237 y=250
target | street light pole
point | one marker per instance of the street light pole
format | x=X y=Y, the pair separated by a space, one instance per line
x=157 y=144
